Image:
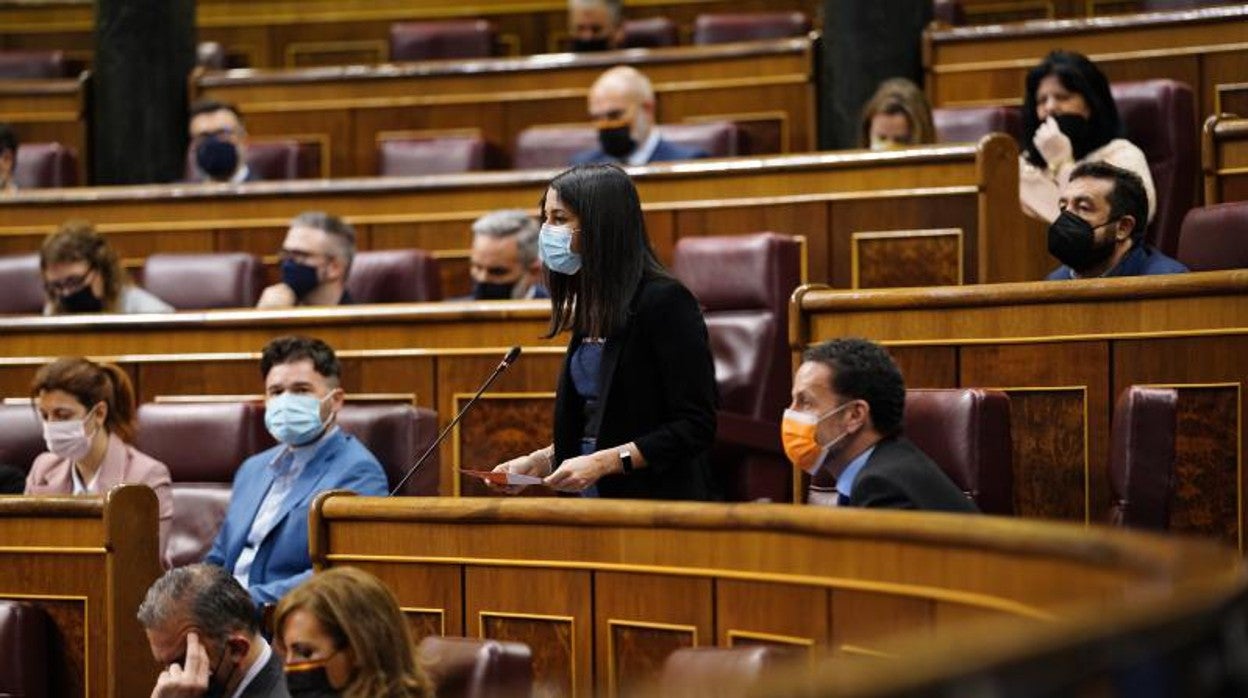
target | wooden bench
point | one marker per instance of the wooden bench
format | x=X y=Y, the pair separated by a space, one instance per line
x=43 y=111
x=276 y=34
x=1063 y=351
x=603 y=591
x=1224 y=158
x=976 y=66
x=87 y=562
x=944 y=214
x=767 y=87
x=1232 y=98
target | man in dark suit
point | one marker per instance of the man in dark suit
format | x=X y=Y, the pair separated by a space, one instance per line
x=845 y=420
x=201 y=624
x=219 y=143
x=622 y=107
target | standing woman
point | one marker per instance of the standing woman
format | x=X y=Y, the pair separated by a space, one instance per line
x=635 y=404
x=1069 y=117
x=88 y=414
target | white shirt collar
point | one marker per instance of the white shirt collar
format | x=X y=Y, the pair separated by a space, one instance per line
x=255 y=669
x=80 y=488
x=641 y=154
x=241 y=174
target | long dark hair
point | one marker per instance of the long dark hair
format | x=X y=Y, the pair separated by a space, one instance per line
x=615 y=251
x=1077 y=74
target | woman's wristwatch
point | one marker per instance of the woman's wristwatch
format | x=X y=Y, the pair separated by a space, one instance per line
x=626 y=461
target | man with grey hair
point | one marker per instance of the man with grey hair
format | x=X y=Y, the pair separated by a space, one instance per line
x=595 y=25
x=201 y=624
x=316 y=259
x=505 y=263
x=622 y=107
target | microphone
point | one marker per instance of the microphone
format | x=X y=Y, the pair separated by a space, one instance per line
x=509 y=359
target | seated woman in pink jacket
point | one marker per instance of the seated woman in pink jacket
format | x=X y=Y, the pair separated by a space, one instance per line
x=88 y=423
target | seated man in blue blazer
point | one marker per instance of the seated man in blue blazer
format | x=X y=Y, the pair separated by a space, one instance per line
x=264 y=539
x=621 y=105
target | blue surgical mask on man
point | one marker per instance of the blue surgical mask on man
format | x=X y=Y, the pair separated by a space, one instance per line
x=293 y=418
x=555 y=243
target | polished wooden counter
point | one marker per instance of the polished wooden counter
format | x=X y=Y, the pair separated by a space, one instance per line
x=767 y=87
x=603 y=590
x=277 y=33
x=1063 y=352
x=968 y=66
x=1224 y=158
x=943 y=214
x=87 y=562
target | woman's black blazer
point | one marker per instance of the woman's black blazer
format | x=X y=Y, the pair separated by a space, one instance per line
x=658 y=390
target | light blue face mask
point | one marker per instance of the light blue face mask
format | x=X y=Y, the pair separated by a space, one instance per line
x=294 y=419
x=555 y=243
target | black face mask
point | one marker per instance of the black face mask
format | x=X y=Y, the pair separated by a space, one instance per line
x=1079 y=130
x=617 y=142
x=301 y=278
x=600 y=43
x=483 y=291
x=311 y=682
x=1073 y=241
x=82 y=301
x=217 y=158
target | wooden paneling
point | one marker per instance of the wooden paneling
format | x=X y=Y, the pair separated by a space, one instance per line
x=352 y=107
x=44 y=111
x=986 y=65
x=785 y=615
x=1224 y=158
x=640 y=619
x=1232 y=98
x=861 y=619
x=825 y=197
x=499 y=428
x=1063 y=351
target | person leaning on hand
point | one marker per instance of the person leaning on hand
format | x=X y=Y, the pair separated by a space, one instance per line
x=635 y=404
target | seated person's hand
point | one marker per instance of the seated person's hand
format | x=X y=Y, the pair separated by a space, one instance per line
x=1053 y=144
x=576 y=474
x=277 y=296
x=535 y=464
x=188 y=681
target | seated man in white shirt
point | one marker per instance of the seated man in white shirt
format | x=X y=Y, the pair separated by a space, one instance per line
x=203 y=627
x=622 y=107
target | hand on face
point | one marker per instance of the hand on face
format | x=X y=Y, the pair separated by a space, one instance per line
x=189 y=680
x=1053 y=145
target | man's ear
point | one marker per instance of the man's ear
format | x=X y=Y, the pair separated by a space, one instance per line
x=1126 y=226
x=237 y=645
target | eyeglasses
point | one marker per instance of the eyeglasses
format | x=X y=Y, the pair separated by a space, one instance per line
x=220 y=134
x=300 y=256
x=69 y=284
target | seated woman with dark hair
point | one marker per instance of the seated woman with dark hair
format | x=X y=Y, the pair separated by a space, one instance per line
x=1069 y=117
x=81 y=274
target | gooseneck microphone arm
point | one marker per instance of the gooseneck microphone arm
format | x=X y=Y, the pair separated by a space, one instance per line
x=508 y=360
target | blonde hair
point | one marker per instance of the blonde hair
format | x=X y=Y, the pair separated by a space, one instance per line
x=899 y=96
x=358 y=612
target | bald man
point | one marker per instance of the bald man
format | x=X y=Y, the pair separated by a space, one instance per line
x=595 y=25
x=621 y=105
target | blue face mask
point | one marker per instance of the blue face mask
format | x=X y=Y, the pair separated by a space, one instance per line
x=294 y=419
x=555 y=242
x=301 y=278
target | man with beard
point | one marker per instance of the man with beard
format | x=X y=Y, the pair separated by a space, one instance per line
x=316 y=259
x=622 y=107
x=1100 y=231
x=219 y=143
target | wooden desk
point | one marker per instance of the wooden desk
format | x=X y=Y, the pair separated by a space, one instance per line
x=933 y=215
x=768 y=87
x=42 y=111
x=275 y=33
x=87 y=561
x=1232 y=98
x=1224 y=158
x=1063 y=351
x=987 y=65
x=602 y=591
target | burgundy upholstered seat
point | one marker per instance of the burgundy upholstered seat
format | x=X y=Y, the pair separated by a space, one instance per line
x=284 y=159
x=1215 y=237
x=748 y=26
x=25 y=646
x=744 y=283
x=394 y=276
x=32 y=65
x=202 y=444
x=424 y=41
x=22 y=283
x=969 y=124
x=397 y=434
x=408 y=157
x=966 y=431
x=198 y=281
x=463 y=667
x=1141 y=458
x=722 y=672
x=1160 y=118
x=720 y=139
x=651 y=32
x=21 y=435
x=46 y=165
x=540 y=147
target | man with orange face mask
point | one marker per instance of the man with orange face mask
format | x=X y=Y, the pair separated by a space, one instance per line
x=844 y=429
